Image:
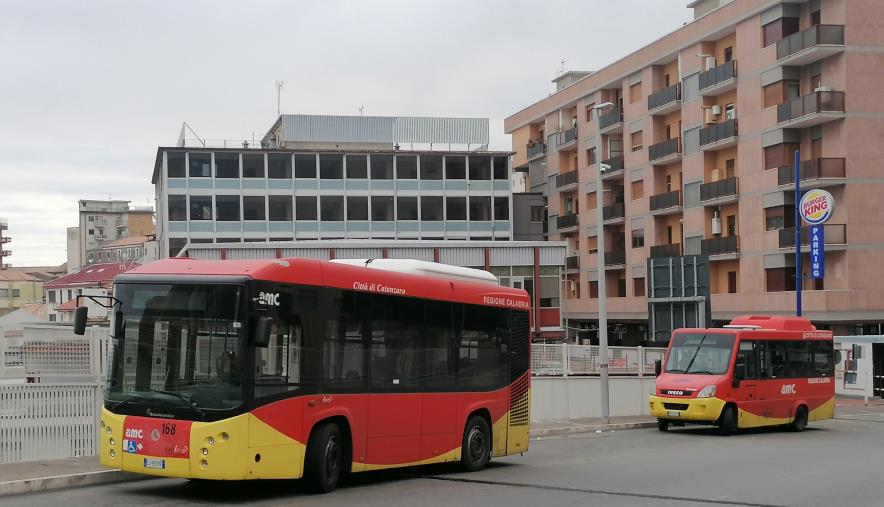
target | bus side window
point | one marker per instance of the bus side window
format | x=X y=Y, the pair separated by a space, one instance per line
x=798 y=359
x=764 y=364
x=823 y=360
x=439 y=365
x=748 y=355
x=777 y=356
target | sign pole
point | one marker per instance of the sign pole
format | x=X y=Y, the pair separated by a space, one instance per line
x=797 y=233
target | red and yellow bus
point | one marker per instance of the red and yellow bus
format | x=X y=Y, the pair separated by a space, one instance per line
x=757 y=371
x=277 y=369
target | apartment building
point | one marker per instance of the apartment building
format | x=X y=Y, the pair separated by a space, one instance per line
x=101 y=222
x=698 y=130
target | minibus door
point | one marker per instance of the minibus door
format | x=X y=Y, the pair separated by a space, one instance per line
x=745 y=382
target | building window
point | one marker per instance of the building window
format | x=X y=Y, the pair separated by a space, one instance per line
x=305 y=165
x=431 y=208
x=480 y=209
x=331 y=208
x=538 y=214
x=357 y=208
x=593 y=289
x=280 y=208
x=501 y=208
x=305 y=207
x=501 y=168
x=779 y=217
x=635 y=93
x=331 y=167
x=636 y=140
x=51 y=296
x=589 y=109
x=200 y=165
x=480 y=167
x=382 y=167
x=778 y=30
x=406 y=208
x=621 y=287
x=357 y=167
x=638 y=287
x=455 y=167
x=456 y=208
x=226 y=208
x=175 y=161
x=52 y=317
x=638 y=238
x=731 y=282
x=177 y=208
x=406 y=167
x=550 y=287
x=252 y=165
x=637 y=189
x=431 y=167
x=780 y=279
x=382 y=208
x=200 y=207
x=253 y=207
x=227 y=165
x=590 y=156
x=279 y=166
x=728 y=53
x=815 y=18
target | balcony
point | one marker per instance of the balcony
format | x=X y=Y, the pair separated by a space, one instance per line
x=611 y=121
x=665 y=101
x=615 y=258
x=672 y=250
x=721 y=247
x=666 y=204
x=816 y=173
x=614 y=213
x=572 y=263
x=567 y=139
x=721 y=79
x=719 y=136
x=616 y=168
x=536 y=151
x=566 y=181
x=567 y=223
x=666 y=152
x=834 y=237
x=719 y=192
x=814 y=109
x=811 y=45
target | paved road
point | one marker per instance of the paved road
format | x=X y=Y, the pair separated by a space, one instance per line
x=834 y=463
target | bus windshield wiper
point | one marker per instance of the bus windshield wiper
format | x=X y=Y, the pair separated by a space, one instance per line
x=704 y=372
x=696 y=352
x=674 y=370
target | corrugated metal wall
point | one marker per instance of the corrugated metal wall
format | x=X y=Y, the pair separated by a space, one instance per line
x=359 y=253
x=422 y=254
x=250 y=253
x=521 y=256
x=384 y=129
x=463 y=256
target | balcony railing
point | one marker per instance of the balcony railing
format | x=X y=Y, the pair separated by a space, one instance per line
x=672 y=250
x=720 y=74
x=664 y=149
x=816 y=102
x=665 y=96
x=616 y=210
x=572 y=263
x=536 y=150
x=613 y=117
x=667 y=200
x=567 y=136
x=566 y=221
x=718 y=132
x=813 y=170
x=615 y=163
x=615 y=258
x=833 y=234
x=719 y=246
x=817 y=34
x=716 y=189
x=565 y=179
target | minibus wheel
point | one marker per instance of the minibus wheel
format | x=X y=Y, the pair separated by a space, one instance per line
x=727 y=423
x=800 y=422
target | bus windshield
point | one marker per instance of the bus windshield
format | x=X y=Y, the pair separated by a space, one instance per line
x=178 y=348
x=708 y=354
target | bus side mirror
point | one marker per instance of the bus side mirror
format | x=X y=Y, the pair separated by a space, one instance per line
x=837 y=356
x=80 y=315
x=261 y=338
x=658 y=367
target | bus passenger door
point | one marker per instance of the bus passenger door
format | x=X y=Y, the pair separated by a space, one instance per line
x=747 y=394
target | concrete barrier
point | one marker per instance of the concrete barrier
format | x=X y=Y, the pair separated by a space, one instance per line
x=563 y=398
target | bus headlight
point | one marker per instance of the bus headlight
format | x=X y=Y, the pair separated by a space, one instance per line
x=706 y=392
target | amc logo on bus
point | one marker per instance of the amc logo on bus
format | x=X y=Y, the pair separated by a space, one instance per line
x=268 y=298
x=788 y=389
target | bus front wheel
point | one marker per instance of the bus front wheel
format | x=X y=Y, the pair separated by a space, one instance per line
x=800 y=421
x=476 y=447
x=727 y=423
x=325 y=458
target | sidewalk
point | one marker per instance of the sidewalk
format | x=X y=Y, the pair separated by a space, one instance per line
x=553 y=428
x=33 y=476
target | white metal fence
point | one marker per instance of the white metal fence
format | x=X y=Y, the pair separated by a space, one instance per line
x=568 y=359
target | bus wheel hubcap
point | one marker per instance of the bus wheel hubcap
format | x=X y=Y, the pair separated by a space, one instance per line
x=476 y=444
x=332 y=455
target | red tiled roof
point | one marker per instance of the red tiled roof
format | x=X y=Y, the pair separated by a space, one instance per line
x=96 y=275
x=67 y=306
x=15 y=275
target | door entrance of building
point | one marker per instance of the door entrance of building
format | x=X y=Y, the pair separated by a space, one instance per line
x=878 y=369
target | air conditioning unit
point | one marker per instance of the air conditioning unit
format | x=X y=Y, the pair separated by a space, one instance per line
x=716 y=224
x=710 y=62
x=709 y=117
x=715 y=175
x=716 y=110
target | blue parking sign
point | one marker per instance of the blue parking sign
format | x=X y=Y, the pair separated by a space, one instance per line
x=817 y=248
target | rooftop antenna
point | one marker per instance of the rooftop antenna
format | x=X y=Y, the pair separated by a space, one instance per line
x=278 y=85
x=563 y=61
x=360 y=110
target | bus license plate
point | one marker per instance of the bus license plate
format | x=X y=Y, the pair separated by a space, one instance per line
x=155 y=463
x=670 y=413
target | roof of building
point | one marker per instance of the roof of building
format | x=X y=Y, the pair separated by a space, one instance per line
x=67 y=306
x=15 y=275
x=128 y=241
x=96 y=275
x=29 y=313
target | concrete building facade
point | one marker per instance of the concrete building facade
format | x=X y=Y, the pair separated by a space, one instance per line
x=700 y=140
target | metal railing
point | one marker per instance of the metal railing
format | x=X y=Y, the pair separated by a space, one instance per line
x=572 y=263
x=812 y=170
x=612 y=211
x=611 y=118
x=815 y=35
x=565 y=179
x=570 y=359
x=666 y=200
x=616 y=164
x=243 y=144
x=615 y=258
x=664 y=149
x=833 y=234
x=536 y=150
x=718 y=132
x=720 y=188
x=720 y=74
x=720 y=245
x=671 y=250
x=665 y=96
x=567 y=136
x=567 y=221
x=816 y=102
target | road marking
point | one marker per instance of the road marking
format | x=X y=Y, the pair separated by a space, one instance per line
x=596 y=491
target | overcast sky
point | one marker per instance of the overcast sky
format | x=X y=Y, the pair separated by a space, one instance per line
x=88 y=90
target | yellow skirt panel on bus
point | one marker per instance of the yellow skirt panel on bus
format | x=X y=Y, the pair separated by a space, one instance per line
x=699 y=409
x=824 y=411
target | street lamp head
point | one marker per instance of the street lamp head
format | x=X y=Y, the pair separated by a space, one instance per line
x=603 y=168
x=604 y=105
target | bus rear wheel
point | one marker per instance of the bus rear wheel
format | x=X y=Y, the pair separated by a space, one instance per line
x=800 y=422
x=727 y=423
x=325 y=458
x=476 y=447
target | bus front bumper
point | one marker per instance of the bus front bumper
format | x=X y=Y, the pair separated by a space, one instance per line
x=685 y=409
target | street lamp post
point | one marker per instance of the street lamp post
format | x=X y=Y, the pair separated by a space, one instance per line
x=602 y=292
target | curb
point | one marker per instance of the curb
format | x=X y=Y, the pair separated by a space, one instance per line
x=568 y=430
x=40 y=484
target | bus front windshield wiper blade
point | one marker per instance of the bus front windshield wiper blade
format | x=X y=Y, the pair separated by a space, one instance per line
x=674 y=370
x=704 y=372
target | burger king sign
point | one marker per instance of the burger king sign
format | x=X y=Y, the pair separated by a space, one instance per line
x=816 y=207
